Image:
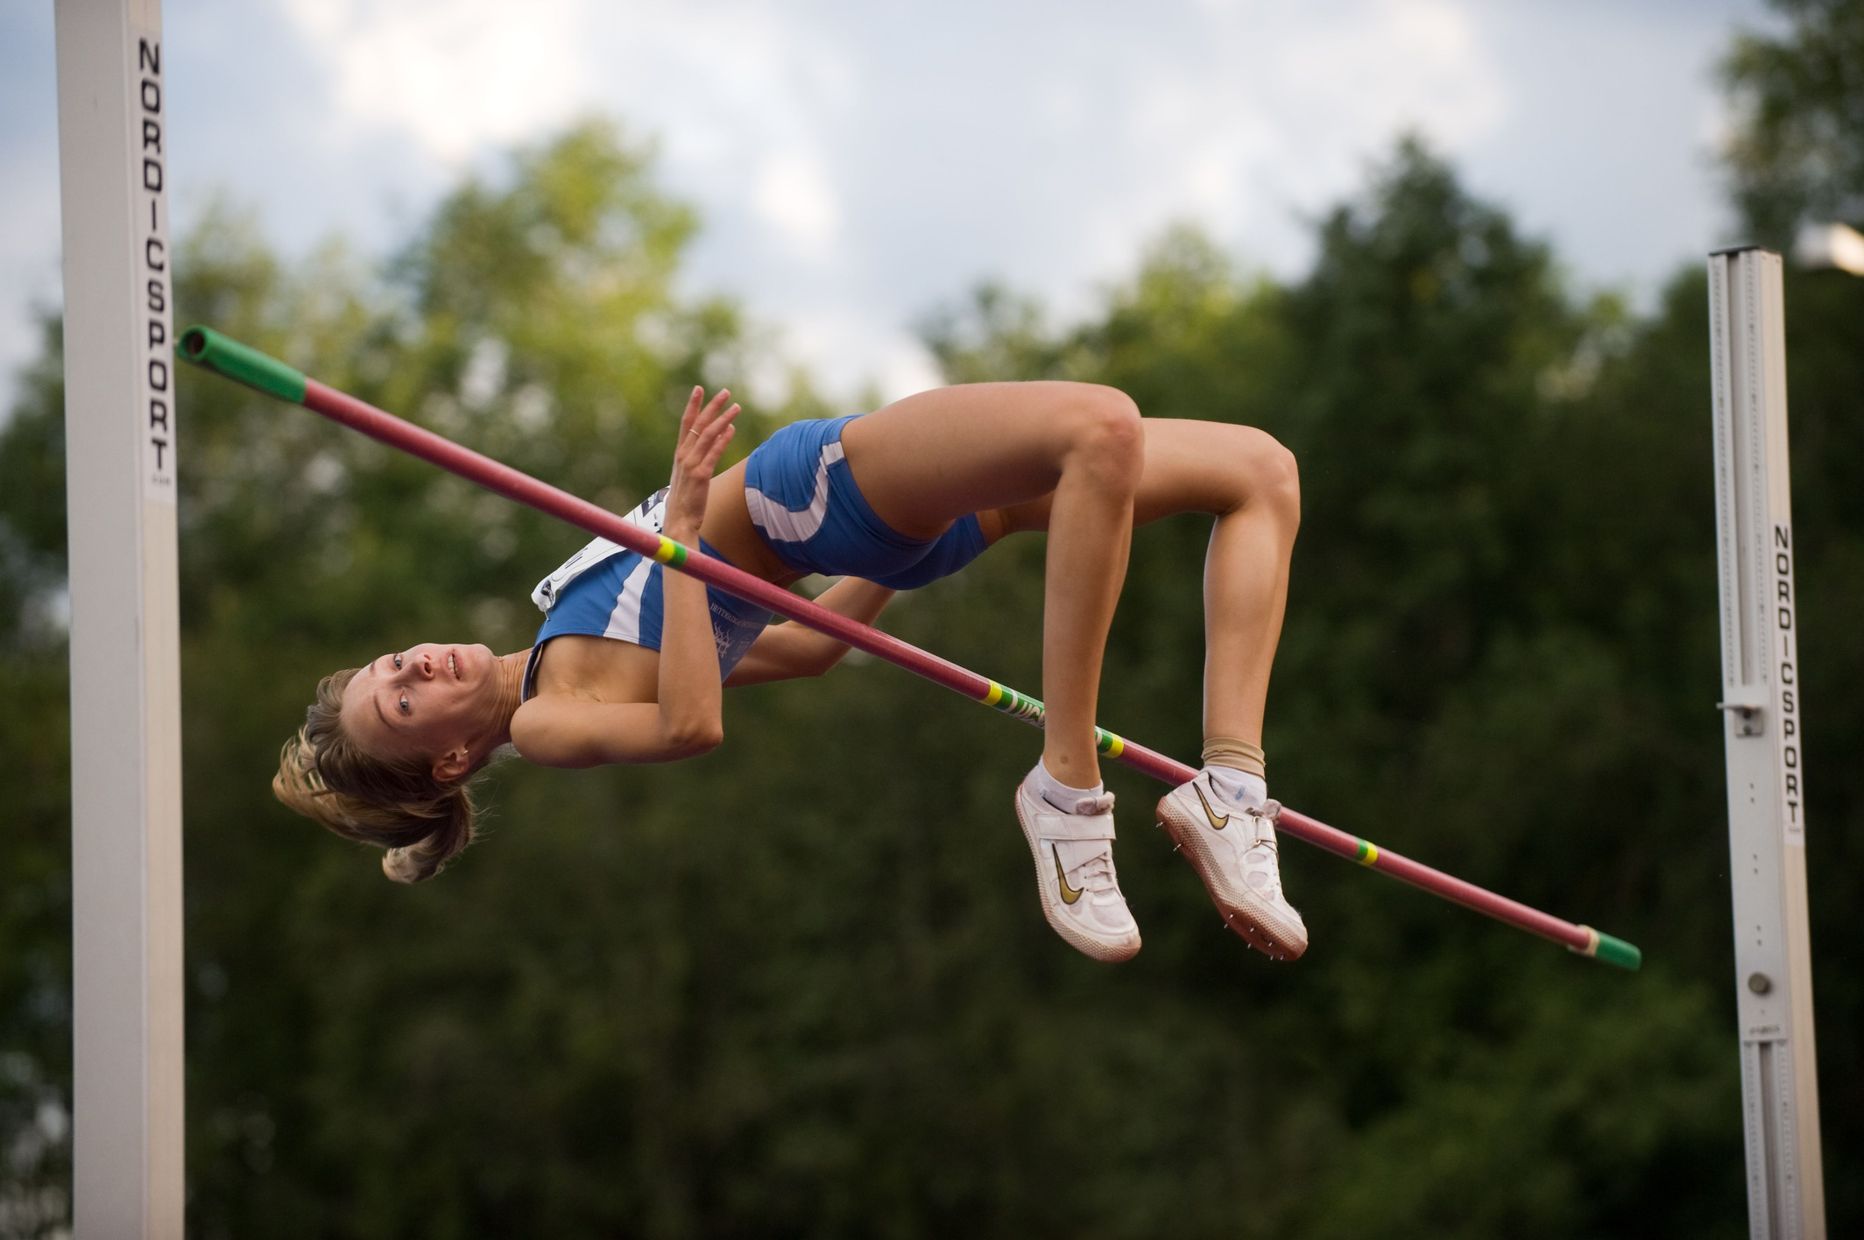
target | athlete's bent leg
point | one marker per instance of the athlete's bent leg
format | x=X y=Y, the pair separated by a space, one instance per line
x=1249 y=482
x=1222 y=821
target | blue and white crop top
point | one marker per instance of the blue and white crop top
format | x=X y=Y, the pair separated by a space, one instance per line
x=606 y=590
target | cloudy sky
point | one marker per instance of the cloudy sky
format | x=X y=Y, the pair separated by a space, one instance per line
x=860 y=162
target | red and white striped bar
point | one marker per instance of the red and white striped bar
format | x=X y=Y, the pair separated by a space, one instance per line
x=208 y=348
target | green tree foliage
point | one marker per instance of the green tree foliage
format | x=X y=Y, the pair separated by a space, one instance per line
x=35 y=882
x=1795 y=155
x=799 y=986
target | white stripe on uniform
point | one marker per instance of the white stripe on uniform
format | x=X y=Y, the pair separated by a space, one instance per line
x=794 y=525
x=624 y=623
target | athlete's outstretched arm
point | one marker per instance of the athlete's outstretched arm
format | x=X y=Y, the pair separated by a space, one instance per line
x=789 y=651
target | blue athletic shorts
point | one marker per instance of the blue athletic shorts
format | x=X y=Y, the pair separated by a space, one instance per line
x=804 y=501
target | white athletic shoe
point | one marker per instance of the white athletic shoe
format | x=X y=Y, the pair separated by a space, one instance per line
x=1074 y=873
x=1233 y=850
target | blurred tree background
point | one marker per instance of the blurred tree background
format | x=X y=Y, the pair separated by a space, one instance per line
x=789 y=990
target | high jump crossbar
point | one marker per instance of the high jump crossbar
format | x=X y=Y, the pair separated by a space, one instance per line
x=242 y=363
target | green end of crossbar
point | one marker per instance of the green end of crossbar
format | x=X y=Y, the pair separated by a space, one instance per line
x=206 y=347
x=1615 y=951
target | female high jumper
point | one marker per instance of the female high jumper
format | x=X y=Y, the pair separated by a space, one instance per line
x=631 y=658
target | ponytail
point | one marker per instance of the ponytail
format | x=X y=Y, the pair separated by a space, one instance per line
x=428 y=856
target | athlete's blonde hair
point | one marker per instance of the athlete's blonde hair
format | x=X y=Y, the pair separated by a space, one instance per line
x=325 y=775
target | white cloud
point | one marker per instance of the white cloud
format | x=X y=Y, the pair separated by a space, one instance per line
x=848 y=350
x=856 y=165
x=1410 y=63
x=831 y=175
x=455 y=75
x=793 y=196
x=1325 y=94
x=1240 y=117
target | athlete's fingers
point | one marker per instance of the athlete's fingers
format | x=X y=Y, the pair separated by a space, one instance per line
x=716 y=439
x=699 y=415
x=710 y=408
x=692 y=410
x=708 y=447
x=724 y=419
x=711 y=421
x=706 y=416
x=700 y=446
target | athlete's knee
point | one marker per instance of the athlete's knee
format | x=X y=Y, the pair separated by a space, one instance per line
x=1106 y=436
x=1268 y=475
x=1280 y=480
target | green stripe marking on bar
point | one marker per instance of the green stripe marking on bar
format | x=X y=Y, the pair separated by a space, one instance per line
x=1107 y=743
x=670 y=552
x=1019 y=705
x=206 y=347
x=1365 y=852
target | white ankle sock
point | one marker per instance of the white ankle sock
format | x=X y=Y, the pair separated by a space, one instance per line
x=1244 y=789
x=1058 y=794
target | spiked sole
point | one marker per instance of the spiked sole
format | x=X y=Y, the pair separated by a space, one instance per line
x=1239 y=910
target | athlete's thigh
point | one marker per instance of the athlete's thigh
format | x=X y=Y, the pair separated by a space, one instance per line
x=929 y=459
x=1190 y=466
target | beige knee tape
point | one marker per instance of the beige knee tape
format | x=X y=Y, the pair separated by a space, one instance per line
x=1238 y=754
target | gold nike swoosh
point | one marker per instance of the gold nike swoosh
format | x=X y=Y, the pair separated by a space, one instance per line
x=1216 y=823
x=1068 y=894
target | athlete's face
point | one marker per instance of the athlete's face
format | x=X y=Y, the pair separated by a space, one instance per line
x=426 y=702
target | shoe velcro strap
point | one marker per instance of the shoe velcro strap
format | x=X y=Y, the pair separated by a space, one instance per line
x=1076 y=826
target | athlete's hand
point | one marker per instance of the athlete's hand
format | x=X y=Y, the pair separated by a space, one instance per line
x=705 y=429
